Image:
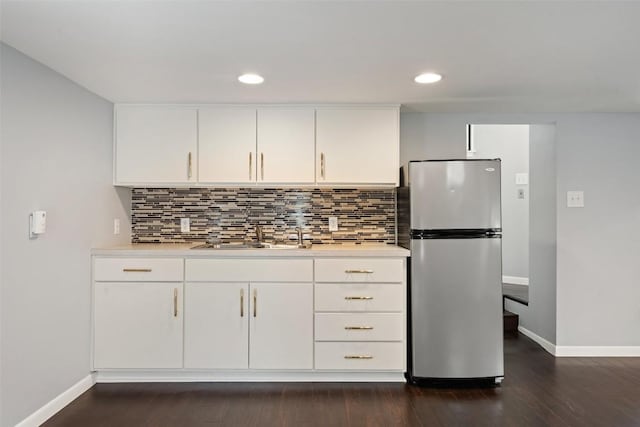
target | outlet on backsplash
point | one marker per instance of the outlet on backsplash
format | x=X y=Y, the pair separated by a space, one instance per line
x=333 y=223
x=185 y=225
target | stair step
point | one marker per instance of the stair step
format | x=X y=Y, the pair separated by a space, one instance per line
x=510 y=322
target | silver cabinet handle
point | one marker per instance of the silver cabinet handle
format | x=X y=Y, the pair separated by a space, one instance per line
x=175 y=302
x=358 y=356
x=358 y=271
x=322 y=165
x=250 y=166
x=241 y=302
x=358 y=298
x=136 y=270
x=189 y=169
x=262 y=166
x=358 y=328
x=255 y=303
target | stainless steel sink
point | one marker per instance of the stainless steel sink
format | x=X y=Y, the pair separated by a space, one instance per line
x=273 y=246
x=229 y=246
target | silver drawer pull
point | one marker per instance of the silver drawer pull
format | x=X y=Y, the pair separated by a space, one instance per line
x=358 y=298
x=358 y=271
x=358 y=328
x=136 y=270
x=175 y=302
x=358 y=356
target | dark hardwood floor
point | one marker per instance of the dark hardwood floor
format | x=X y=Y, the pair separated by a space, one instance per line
x=538 y=390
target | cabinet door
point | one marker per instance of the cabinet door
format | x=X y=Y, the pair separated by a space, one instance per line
x=155 y=145
x=227 y=145
x=357 y=146
x=281 y=331
x=286 y=139
x=216 y=329
x=138 y=325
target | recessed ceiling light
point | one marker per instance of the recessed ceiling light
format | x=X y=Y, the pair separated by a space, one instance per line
x=428 y=78
x=251 y=79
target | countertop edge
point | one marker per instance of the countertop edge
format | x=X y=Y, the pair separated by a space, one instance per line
x=392 y=251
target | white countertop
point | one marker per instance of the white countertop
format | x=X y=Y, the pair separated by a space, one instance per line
x=184 y=249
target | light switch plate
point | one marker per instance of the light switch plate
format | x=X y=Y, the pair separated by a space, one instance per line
x=185 y=225
x=116 y=226
x=522 y=179
x=333 y=223
x=575 y=199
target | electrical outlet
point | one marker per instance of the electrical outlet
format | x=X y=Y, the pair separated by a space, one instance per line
x=575 y=199
x=185 y=225
x=116 y=226
x=520 y=193
x=333 y=223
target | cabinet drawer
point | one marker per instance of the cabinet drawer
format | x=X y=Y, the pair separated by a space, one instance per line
x=138 y=269
x=249 y=270
x=366 y=356
x=359 y=327
x=360 y=270
x=359 y=297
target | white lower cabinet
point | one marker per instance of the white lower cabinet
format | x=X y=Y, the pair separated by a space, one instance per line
x=249 y=316
x=137 y=325
x=216 y=330
x=241 y=325
x=281 y=332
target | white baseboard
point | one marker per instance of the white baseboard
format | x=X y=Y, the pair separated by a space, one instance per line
x=583 y=350
x=248 y=376
x=57 y=403
x=547 y=345
x=514 y=280
x=597 y=351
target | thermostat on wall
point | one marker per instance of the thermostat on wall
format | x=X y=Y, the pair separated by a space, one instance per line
x=37 y=223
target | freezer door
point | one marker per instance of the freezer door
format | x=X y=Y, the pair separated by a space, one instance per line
x=456 y=308
x=455 y=194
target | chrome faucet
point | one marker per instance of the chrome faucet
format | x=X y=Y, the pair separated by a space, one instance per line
x=299 y=231
x=259 y=235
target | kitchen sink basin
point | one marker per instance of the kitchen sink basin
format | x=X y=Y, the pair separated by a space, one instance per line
x=221 y=246
x=228 y=246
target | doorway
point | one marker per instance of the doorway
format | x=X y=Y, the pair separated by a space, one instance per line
x=529 y=223
x=510 y=143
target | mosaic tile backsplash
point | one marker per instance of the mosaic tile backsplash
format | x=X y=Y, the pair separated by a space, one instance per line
x=230 y=215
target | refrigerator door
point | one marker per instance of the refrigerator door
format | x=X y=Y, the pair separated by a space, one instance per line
x=456 y=308
x=455 y=194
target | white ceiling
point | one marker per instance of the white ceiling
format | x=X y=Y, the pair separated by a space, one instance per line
x=495 y=56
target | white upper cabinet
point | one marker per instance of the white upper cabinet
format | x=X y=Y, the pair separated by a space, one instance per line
x=357 y=145
x=286 y=140
x=266 y=145
x=227 y=145
x=155 y=145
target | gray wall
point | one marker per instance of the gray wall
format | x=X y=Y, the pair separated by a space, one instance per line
x=56 y=156
x=511 y=144
x=598 y=246
x=540 y=315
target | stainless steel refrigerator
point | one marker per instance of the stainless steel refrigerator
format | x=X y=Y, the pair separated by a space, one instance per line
x=449 y=217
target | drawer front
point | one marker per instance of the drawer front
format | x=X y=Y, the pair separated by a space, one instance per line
x=249 y=270
x=365 y=356
x=359 y=327
x=356 y=297
x=389 y=270
x=138 y=269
